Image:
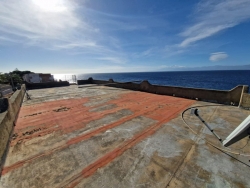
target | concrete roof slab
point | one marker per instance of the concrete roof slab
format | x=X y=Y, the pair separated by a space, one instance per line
x=97 y=136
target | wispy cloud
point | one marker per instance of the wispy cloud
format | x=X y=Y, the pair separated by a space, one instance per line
x=54 y=25
x=113 y=60
x=213 y=16
x=172 y=50
x=218 y=56
x=146 y=53
x=76 y=45
x=6 y=39
x=38 y=20
x=110 y=69
x=170 y=67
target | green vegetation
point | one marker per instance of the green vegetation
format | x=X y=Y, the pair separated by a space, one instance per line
x=20 y=73
x=16 y=75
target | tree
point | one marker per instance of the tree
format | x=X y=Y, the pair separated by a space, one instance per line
x=3 y=78
x=16 y=78
x=20 y=73
x=6 y=78
x=16 y=75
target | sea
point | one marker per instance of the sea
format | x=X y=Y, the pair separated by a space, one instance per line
x=219 y=80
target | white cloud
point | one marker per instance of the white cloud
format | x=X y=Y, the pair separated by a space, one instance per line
x=214 y=16
x=218 y=56
x=107 y=69
x=38 y=20
x=146 y=53
x=76 y=45
x=53 y=25
x=2 y=38
x=172 y=50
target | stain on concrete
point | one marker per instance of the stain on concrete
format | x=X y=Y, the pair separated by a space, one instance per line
x=61 y=109
x=33 y=114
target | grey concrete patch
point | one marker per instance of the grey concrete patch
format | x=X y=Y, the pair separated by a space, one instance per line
x=148 y=164
x=89 y=150
x=39 y=172
x=69 y=92
x=224 y=170
x=102 y=108
x=164 y=145
x=108 y=119
x=35 y=146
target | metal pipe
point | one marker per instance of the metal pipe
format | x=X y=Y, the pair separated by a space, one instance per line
x=11 y=81
x=202 y=120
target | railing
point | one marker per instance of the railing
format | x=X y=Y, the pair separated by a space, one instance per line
x=65 y=77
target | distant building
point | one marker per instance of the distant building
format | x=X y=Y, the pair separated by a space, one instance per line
x=38 y=78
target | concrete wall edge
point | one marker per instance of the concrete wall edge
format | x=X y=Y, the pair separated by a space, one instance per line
x=229 y=97
x=8 y=120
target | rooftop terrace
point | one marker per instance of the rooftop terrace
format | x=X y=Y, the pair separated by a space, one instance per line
x=99 y=136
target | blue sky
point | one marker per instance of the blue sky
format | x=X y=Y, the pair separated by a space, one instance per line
x=73 y=36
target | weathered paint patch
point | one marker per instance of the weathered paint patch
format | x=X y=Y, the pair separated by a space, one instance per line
x=83 y=153
x=106 y=159
x=137 y=167
x=68 y=125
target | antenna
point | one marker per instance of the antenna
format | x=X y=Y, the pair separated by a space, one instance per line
x=239 y=133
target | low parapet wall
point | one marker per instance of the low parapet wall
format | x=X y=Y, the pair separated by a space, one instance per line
x=7 y=121
x=217 y=96
x=92 y=81
x=46 y=85
x=245 y=101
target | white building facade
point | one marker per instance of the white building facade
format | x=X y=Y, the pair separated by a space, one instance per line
x=38 y=78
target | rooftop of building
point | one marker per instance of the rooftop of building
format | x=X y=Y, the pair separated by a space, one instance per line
x=99 y=136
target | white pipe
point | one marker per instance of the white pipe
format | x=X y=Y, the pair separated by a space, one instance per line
x=241 y=96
